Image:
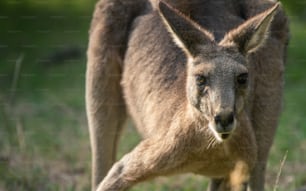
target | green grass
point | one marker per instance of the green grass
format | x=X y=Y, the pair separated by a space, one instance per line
x=43 y=135
x=44 y=143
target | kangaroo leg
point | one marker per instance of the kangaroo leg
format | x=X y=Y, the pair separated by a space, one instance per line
x=105 y=110
x=214 y=184
x=266 y=107
x=152 y=157
x=104 y=101
x=106 y=113
x=268 y=66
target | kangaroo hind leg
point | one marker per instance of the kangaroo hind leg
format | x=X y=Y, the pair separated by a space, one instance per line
x=105 y=106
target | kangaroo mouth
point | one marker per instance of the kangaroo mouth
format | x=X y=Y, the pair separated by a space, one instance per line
x=220 y=135
x=225 y=135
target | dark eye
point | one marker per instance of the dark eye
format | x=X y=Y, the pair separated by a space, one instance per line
x=201 y=80
x=242 y=79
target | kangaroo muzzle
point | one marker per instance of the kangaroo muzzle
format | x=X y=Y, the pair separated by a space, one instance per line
x=224 y=123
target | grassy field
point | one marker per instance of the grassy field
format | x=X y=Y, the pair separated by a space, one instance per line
x=44 y=141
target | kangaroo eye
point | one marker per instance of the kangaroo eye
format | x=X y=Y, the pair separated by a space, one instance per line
x=201 y=80
x=242 y=79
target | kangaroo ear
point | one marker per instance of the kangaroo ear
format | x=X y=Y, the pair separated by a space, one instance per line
x=186 y=33
x=252 y=34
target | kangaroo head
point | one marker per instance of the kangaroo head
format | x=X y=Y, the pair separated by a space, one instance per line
x=217 y=76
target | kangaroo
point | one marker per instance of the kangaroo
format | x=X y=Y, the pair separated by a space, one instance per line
x=202 y=81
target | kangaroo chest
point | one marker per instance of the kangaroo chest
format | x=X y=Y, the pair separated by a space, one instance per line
x=211 y=158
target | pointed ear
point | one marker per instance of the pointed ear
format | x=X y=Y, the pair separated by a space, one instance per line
x=186 y=33
x=252 y=34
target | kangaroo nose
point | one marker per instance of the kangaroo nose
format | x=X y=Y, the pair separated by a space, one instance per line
x=224 y=119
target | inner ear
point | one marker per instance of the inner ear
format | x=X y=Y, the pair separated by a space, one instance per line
x=252 y=34
x=186 y=33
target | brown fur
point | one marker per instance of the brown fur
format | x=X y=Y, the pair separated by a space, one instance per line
x=133 y=44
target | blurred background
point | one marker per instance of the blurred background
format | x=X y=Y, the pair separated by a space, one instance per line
x=44 y=142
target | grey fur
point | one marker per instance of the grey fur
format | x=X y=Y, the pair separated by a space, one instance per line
x=142 y=59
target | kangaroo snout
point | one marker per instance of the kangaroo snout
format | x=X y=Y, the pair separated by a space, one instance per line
x=224 y=121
